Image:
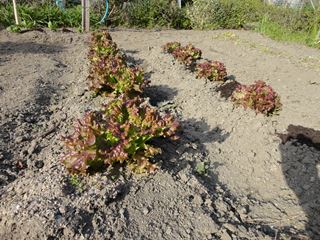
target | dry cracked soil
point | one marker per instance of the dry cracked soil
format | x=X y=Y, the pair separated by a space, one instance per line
x=233 y=174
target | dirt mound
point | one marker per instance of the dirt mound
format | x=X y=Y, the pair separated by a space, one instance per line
x=230 y=176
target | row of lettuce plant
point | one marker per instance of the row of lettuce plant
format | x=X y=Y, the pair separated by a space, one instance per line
x=188 y=55
x=121 y=130
x=258 y=96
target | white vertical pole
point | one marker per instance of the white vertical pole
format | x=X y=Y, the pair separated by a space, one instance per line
x=314 y=8
x=85 y=15
x=16 y=17
x=179 y=3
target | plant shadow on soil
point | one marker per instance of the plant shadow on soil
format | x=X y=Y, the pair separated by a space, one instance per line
x=8 y=48
x=21 y=125
x=185 y=154
x=227 y=88
x=300 y=152
x=131 y=59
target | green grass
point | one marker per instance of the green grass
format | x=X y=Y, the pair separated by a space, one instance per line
x=280 y=33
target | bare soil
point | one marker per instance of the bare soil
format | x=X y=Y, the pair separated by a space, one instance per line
x=262 y=174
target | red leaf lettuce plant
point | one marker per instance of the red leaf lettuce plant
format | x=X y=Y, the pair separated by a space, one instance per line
x=258 y=96
x=170 y=47
x=187 y=55
x=211 y=70
x=102 y=46
x=120 y=133
x=109 y=73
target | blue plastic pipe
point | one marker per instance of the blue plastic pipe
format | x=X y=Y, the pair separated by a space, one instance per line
x=60 y=4
x=106 y=13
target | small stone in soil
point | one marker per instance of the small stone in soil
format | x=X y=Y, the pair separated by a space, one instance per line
x=32 y=147
x=145 y=211
x=39 y=164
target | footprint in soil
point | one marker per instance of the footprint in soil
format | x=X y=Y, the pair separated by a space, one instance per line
x=300 y=152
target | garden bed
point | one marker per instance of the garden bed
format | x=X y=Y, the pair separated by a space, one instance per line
x=233 y=174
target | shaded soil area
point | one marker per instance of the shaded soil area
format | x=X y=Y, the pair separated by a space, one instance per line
x=231 y=175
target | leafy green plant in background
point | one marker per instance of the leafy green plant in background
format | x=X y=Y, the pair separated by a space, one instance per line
x=155 y=13
x=120 y=133
x=294 y=26
x=218 y=14
x=277 y=22
x=258 y=96
x=44 y=15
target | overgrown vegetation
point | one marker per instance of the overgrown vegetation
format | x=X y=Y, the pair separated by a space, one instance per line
x=278 y=22
x=217 y=14
x=258 y=96
x=43 y=15
x=121 y=131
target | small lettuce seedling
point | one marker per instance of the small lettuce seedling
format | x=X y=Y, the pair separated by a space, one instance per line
x=211 y=70
x=170 y=47
x=120 y=133
x=187 y=55
x=258 y=96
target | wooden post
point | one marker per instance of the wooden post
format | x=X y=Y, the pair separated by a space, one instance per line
x=85 y=15
x=16 y=17
x=179 y=3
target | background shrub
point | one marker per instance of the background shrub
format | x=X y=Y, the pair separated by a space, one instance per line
x=155 y=13
x=40 y=15
x=214 y=14
x=278 y=22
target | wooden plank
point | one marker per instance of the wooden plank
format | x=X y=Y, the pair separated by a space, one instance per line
x=16 y=17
